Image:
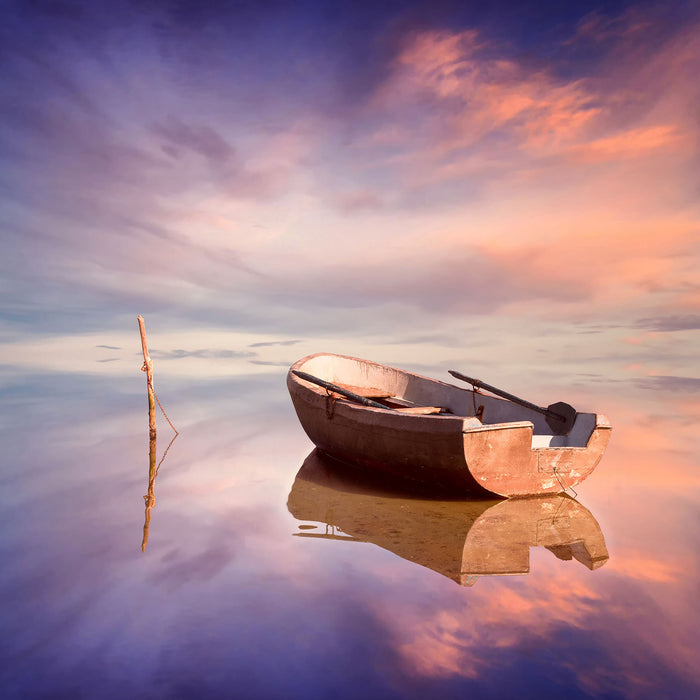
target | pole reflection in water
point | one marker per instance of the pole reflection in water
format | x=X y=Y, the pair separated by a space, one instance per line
x=150 y=497
x=460 y=539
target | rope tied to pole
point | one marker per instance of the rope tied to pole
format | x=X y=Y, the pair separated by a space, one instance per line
x=162 y=410
x=147 y=367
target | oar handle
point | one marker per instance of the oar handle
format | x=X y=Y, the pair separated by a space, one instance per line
x=478 y=384
x=339 y=390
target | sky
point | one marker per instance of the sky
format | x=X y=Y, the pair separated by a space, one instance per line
x=370 y=175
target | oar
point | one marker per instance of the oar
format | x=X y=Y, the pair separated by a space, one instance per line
x=560 y=416
x=339 y=390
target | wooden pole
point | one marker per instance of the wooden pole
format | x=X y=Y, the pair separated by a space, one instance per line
x=148 y=369
x=150 y=497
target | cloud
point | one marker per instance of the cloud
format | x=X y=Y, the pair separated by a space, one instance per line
x=203 y=140
x=478 y=173
x=358 y=202
x=641 y=566
x=634 y=143
x=481 y=638
x=671 y=323
x=445 y=645
x=205 y=354
x=585 y=266
x=489 y=93
x=598 y=28
x=274 y=342
x=106 y=169
x=474 y=115
x=670 y=383
x=178 y=568
x=471 y=93
x=270 y=363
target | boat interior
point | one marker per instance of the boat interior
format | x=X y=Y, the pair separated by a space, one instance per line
x=414 y=394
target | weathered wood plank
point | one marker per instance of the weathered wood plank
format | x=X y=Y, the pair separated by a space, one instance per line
x=369 y=392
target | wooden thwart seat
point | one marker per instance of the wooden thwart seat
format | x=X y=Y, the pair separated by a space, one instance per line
x=367 y=392
x=391 y=401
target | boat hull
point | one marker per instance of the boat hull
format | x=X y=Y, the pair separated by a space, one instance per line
x=453 y=449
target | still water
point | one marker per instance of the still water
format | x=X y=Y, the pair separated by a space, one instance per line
x=250 y=567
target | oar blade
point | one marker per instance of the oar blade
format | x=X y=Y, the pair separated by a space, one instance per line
x=560 y=417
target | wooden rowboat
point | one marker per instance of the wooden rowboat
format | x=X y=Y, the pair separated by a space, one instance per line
x=421 y=428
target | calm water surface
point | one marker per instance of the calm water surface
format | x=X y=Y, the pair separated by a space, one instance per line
x=270 y=573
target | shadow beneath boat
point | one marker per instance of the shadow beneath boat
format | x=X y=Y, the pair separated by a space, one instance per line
x=455 y=537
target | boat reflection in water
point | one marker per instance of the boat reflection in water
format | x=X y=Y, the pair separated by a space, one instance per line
x=460 y=539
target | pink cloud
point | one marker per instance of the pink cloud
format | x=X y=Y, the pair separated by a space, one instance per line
x=611 y=264
x=467 y=635
x=596 y=27
x=632 y=143
x=358 y=201
x=456 y=641
x=476 y=94
x=469 y=110
x=643 y=567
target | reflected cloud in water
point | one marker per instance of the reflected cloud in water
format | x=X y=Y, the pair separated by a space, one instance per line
x=460 y=539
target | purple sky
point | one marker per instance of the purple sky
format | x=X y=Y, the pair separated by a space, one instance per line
x=426 y=173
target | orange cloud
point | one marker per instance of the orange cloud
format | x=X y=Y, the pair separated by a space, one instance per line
x=470 y=634
x=469 y=110
x=482 y=94
x=498 y=616
x=611 y=264
x=629 y=144
x=642 y=339
x=639 y=566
